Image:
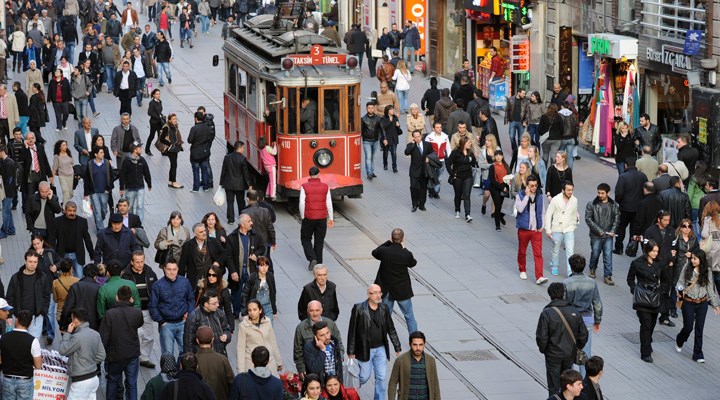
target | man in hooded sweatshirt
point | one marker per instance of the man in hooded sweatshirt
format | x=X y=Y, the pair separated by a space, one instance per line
x=258 y=383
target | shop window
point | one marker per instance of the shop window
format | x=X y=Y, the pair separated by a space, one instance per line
x=670 y=19
x=453 y=36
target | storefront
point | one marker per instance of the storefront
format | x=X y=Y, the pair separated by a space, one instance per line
x=447 y=47
x=616 y=89
x=666 y=93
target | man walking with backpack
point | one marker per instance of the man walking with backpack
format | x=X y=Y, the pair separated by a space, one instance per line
x=571 y=127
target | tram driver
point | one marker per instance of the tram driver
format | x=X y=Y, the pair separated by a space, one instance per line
x=308 y=115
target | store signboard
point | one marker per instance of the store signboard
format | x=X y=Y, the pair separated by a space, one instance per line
x=614 y=46
x=586 y=70
x=693 y=40
x=520 y=53
x=670 y=55
x=415 y=10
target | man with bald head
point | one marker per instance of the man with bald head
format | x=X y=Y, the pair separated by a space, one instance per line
x=304 y=333
x=370 y=324
x=41 y=209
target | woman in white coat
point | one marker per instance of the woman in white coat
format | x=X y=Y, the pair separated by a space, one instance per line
x=256 y=330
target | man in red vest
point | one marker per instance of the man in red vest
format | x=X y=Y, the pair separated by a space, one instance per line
x=317 y=215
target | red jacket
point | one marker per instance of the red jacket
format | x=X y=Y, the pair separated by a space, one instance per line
x=347 y=393
x=315 y=198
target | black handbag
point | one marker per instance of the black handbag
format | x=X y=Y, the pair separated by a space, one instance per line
x=161 y=256
x=580 y=356
x=646 y=296
x=632 y=248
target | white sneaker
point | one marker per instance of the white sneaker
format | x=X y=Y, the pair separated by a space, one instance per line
x=541 y=280
x=523 y=276
x=468 y=218
x=457 y=214
x=700 y=360
x=678 y=349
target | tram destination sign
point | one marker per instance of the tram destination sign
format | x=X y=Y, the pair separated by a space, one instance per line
x=317 y=56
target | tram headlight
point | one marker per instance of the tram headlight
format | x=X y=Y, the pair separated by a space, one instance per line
x=352 y=62
x=287 y=64
x=323 y=158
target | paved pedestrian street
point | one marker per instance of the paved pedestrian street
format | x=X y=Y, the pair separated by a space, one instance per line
x=478 y=316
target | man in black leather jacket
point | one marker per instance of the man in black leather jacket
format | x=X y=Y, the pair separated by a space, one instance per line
x=664 y=235
x=369 y=128
x=370 y=324
x=554 y=340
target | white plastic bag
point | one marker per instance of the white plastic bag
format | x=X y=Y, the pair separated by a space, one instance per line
x=87 y=208
x=351 y=373
x=219 y=197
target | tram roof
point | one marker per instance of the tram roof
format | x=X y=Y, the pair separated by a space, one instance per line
x=274 y=40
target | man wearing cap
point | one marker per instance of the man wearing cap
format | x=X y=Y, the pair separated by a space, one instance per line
x=5 y=309
x=317 y=215
x=85 y=351
x=134 y=173
x=124 y=87
x=122 y=138
x=115 y=242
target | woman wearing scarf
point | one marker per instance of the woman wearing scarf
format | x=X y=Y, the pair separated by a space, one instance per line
x=168 y=370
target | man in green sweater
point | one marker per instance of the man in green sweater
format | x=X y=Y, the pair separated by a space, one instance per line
x=106 y=294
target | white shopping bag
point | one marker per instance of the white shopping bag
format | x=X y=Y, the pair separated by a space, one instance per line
x=219 y=197
x=87 y=208
x=351 y=373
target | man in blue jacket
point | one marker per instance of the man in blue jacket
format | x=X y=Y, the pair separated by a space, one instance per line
x=529 y=223
x=115 y=242
x=171 y=299
x=411 y=43
x=257 y=383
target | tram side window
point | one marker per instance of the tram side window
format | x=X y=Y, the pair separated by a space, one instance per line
x=309 y=111
x=331 y=114
x=292 y=108
x=252 y=105
x=232 y=80
x=242 y=80
x=352 y=118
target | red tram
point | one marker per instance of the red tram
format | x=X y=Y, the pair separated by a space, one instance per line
x=299 y=90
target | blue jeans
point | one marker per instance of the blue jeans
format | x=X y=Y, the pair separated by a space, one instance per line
x=378 y=362
x=115 y=372
x=81 y=107
x=516 y=130
x=136 y=198
x=205 y=23
x=409 y=57
x=23 y=124
x=8 y=225
x=171 y=332
x=696 y=226
x=369 y=150
x=236 y=294
x=185 y=34
x=693 y=314
x=534 y=134
x=201 y=174
x=558 y=238
x=49 y=321
x=77 y=268
x=17 y=389
x=71 y=47
x=620 y=166
x=110 y=72
x=91 y=99
x=569 y=146
x=604 y=245
x=36 y=326
x=440 y=170
x=139 y=90
x=402 y=99
x=588 y=320
x=163 y=69
x=99 y=203
x=406 y=308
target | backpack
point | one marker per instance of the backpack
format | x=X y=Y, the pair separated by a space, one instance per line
x=570 y=126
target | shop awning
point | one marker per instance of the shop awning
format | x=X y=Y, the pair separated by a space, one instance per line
x=611 y=45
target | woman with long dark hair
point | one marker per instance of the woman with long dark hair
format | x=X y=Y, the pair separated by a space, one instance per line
x=460 y=164
x=312 y=388
x=59 y=94
x=48 y=264
x=498 y=188
x=38 y=112
x=533 y=113
x=334 y=390
x=261 y=286
x=213 y=281
x=644 y=274
x=558 y=173
x=155 y=110
x=256 y=330
x=170 y=137
x=391 y=131
x=214 y=228
x=171 y=238
x=695 y=287
x=624 y=146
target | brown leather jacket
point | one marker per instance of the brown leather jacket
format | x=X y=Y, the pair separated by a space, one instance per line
x=385 y=72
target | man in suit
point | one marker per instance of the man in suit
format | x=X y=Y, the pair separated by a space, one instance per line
x=89 y=54
x=418 y=152
x=8 y=174
x=130 y=220
x=69 y=234
x=235 y=178
x=41 y=209
x=59 y=52
x=393 y=275
x=83 y=140
x=37 y=167
x=241 y=263
x=124 y=87
x=212 y=252
x=122 y=138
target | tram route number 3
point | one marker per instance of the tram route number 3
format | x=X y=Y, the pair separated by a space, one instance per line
x=317 y=56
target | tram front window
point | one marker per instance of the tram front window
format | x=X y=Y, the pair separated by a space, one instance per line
x=331 y=114
x=309 y=111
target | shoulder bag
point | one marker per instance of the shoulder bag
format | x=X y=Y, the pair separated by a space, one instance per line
x=680 y=296
x=646 y=296
x=580 y=356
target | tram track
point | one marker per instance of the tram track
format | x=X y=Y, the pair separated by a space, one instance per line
x=444 y=359
x=448 y=362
